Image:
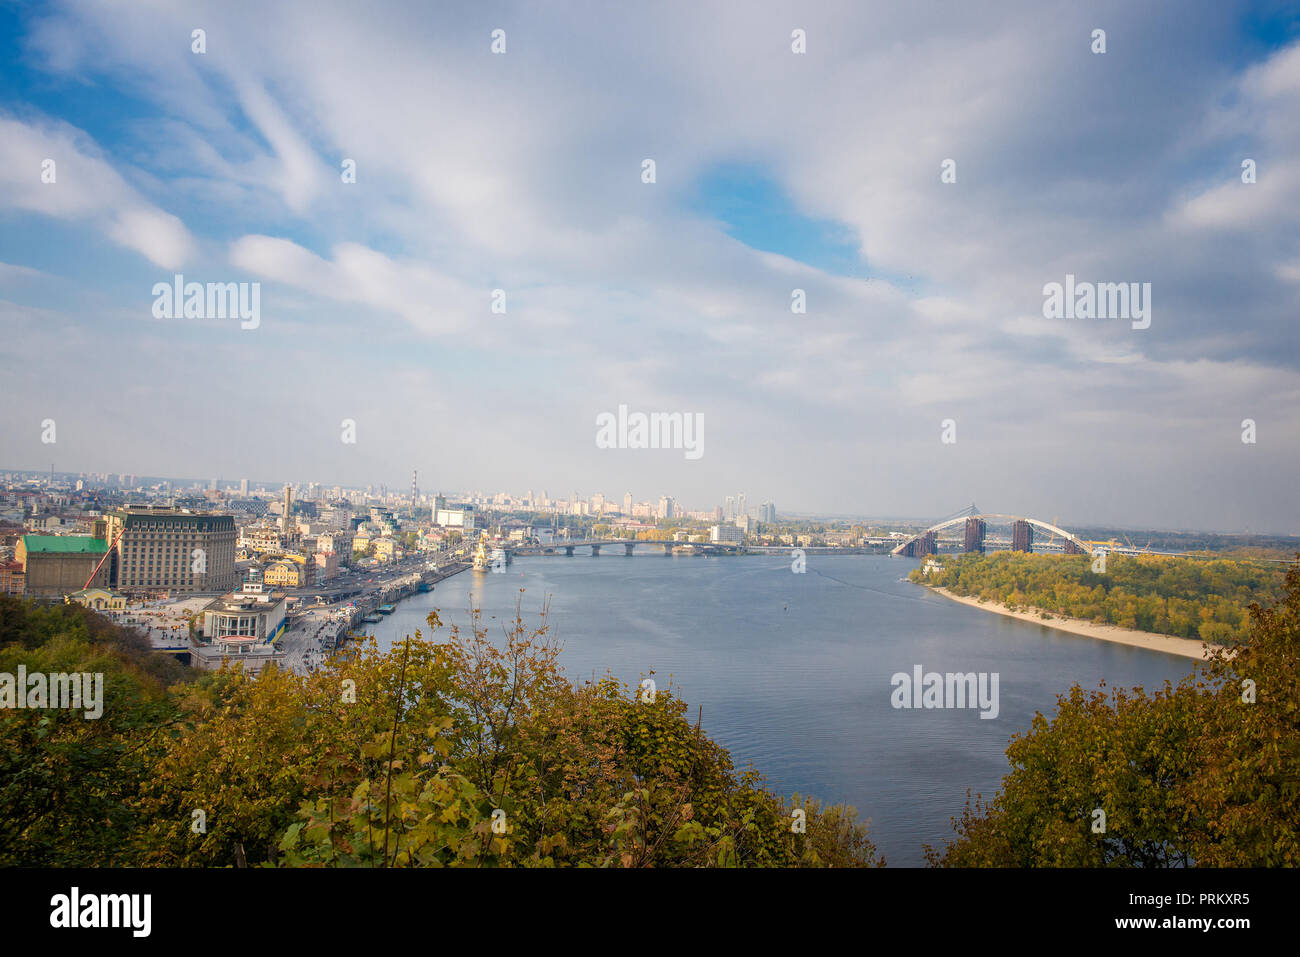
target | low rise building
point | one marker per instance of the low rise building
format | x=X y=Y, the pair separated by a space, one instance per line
x=11 y=577
x=56 y=565
x=285 y=573
x=242 y=626
x=327 y=566
x=100 y=599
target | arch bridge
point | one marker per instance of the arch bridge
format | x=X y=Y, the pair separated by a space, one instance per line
x=976 y=529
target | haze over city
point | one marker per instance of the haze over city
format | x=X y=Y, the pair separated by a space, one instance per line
x=774 y=171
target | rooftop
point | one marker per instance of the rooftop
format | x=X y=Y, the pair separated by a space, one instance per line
x=64 y=544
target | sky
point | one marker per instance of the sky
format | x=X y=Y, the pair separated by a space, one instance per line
x=774 y=171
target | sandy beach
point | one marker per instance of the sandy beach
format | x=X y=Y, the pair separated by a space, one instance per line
x=1169 y=644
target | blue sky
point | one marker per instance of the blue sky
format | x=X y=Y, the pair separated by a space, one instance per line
x=776 y=171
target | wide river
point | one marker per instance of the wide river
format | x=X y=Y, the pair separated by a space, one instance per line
x=793 y=670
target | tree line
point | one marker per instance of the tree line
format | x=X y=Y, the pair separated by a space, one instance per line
x=1208 y=600
x=456 y=752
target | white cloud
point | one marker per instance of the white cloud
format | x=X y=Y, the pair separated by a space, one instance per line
x=85 y=188
x=522 y=172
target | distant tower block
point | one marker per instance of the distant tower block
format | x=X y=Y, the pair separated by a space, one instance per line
x=1022 y=536
x=288 y=507
x=975 y=535
x=415 y=487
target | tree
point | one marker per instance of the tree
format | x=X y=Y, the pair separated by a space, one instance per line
x=1203 y=773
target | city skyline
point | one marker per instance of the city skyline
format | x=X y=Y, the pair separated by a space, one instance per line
x=819 y=278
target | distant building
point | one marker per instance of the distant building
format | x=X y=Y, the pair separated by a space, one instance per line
x=767 y=513
x=327 y=566
x=170 y=549
x=460 y=516
x=287 y=509
x=12 y=578
x=100 y=599
x=242 y=626
x=340 y=543
x=55 y=565
x=286 y=573
x=725 y=533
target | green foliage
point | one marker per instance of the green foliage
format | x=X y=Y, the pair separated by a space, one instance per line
x=1189 y=598
x=463 y=752
x=67 y=783
x=1196 y=774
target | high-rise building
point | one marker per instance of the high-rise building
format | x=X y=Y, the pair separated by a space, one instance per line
x=288 y=508
x=243 y=488
x=767 y=513
x=741 y=508
x=729 y=508
x=666 y=506
x=627 y=504
x=171 y=549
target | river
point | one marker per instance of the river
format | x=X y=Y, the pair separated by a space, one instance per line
x=794 y=670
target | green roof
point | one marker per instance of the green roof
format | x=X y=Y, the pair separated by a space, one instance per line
x=65 y=544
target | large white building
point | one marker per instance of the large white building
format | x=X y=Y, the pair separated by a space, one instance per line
x=461 y=516
x=725 y=533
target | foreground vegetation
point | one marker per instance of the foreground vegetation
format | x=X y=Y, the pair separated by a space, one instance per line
x=1206 y=772
x=456 y=753
x=463 y=752
x=1203 y=599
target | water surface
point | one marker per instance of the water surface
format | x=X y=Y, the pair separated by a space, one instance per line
x=793 y=670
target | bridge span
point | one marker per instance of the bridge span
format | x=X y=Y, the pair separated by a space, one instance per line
x=976 y=535
x=697 y=548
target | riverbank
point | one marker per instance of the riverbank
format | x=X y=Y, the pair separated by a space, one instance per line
x=1169 y=644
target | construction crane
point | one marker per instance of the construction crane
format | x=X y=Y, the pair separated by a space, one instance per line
x=100 y=563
